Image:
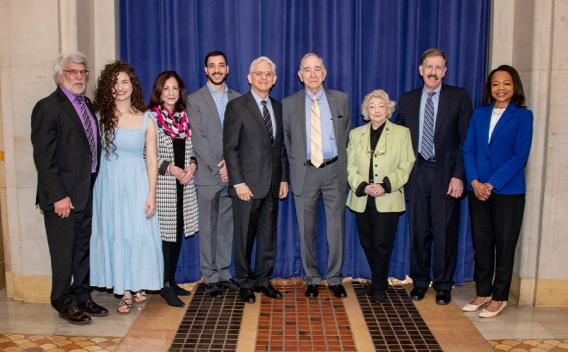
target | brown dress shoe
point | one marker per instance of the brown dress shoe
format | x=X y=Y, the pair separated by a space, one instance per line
x=74 y=315
x=91 y=308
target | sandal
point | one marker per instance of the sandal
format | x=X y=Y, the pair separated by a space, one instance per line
x=124 y=303
x=140 y=296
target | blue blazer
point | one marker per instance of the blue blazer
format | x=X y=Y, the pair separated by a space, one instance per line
x=502 y=161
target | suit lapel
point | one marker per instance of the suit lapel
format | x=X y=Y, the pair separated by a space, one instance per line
x=443 y=106
x=334 y=114
x=301 y=109
x=507 y=115
x=72 y=114
x=256 y=115
x=211 y=103
x=413 y=118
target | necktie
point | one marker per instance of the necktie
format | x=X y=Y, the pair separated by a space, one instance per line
x=88 y=128
x=427 y=145
x=315 y=134
x=267 y=121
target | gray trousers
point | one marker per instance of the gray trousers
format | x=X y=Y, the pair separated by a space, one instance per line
x=323 y=182
x=215 y=232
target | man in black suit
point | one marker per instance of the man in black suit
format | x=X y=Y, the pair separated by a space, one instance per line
x=257 y=166
x=437 y=116
x=67 y=154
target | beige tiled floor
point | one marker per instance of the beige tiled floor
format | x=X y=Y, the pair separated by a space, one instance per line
x=158 y=323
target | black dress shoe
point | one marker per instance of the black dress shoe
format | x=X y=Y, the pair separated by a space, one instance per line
x=312 y=291
x=74 y=315
x=213 y=290
x=230 y=284
x=366 y=290
x=338 y=291
x=169 y=295
x=443 y=297
x=269 y=291
x=91 y=308
x=247 y=295
x=417 y=293
x=180 y=291
x=378 y=297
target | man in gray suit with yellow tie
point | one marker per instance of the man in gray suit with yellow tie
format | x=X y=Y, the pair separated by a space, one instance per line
x=206 y=112
x=317 y=122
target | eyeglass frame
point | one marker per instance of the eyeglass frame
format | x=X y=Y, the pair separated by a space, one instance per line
x=83 y=73
x=266 y=73
x=371 y=152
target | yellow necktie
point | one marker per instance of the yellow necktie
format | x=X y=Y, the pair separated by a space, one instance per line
x=315 y=134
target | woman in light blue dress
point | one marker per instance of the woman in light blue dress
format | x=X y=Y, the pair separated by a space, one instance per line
x=126 y=252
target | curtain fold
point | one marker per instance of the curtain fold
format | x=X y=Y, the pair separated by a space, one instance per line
x=365 y=45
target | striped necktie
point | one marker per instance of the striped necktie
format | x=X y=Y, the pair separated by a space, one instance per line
x=88 y=128
x=315 y=134
x=427 y=145
x=267 y=121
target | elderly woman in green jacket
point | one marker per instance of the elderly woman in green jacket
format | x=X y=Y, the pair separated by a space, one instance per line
x=380 y=158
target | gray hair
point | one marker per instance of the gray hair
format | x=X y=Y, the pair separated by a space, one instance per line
x=63 y=58
x=381 y=94
x=262 y=59
x=308 y=55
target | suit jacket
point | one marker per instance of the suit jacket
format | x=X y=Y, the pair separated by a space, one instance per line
x=61 y=152
x=249 y=155
x=395 y=164
x=502 y=161
x=206 y=134
x=454 y=112
x=294 y=115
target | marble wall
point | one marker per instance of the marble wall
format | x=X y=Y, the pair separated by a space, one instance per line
x=32 y=32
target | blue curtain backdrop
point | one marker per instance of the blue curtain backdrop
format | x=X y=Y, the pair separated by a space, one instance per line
x=365 y=44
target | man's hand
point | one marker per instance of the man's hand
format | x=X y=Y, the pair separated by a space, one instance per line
x=223 y=171
x=283 y=190
x=455 y=189
x=63 y=207
x=243 y=192
x=189 y=173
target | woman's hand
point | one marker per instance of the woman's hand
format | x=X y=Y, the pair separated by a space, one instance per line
x=481 y=191
x=150 y=206
x=189 y=173
x=374 y=190
x=178 y=172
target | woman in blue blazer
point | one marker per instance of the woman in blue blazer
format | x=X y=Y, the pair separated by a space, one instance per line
x=496 y=150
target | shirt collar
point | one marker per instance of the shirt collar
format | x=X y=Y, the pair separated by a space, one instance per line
x=319 y=94
x=437 y=90
x=213 y=90
x=72 y=97
x=259 y=99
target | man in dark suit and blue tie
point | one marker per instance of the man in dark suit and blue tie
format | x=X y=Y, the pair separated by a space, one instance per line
x=66 y=154
x=257 y=165
x=437 y=116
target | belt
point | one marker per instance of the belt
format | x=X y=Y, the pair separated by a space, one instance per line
x=325 y=163
x=431 y=159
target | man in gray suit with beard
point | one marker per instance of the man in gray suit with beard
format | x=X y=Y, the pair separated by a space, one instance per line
x=317 y=122
x=206 y=114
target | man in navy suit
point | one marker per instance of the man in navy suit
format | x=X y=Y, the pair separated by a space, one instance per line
x=437 y=116
x=66 y=154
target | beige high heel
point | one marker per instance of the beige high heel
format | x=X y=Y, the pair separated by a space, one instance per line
x=474 y=307
x=487 y=314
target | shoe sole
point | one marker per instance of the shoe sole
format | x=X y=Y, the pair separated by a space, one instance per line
x=75 y=322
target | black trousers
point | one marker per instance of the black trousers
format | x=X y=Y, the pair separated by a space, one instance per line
x=255 y=219
x=69 y=240
x=496 y=226
x=171 y=250
x=434 y=224
x=377 y=233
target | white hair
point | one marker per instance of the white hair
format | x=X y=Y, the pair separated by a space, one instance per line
x=380 y=94
x=262 y=59
x=63 y=58
x=308 y=55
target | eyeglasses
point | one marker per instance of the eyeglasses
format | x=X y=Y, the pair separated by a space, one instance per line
x=75 y=72
x=372 y=152
x=266 y=73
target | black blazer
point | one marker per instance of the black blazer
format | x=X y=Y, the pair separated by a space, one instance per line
x=454 y=111
x=61 y=152
x=249 y=156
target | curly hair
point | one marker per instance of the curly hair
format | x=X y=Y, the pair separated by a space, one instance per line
x=105 y=106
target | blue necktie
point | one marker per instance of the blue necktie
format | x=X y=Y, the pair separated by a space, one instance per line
x=427 y=146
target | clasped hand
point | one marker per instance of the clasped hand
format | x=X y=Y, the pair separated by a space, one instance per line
x=183 y=176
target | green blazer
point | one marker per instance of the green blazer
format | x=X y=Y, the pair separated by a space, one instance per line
x=396 y=164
